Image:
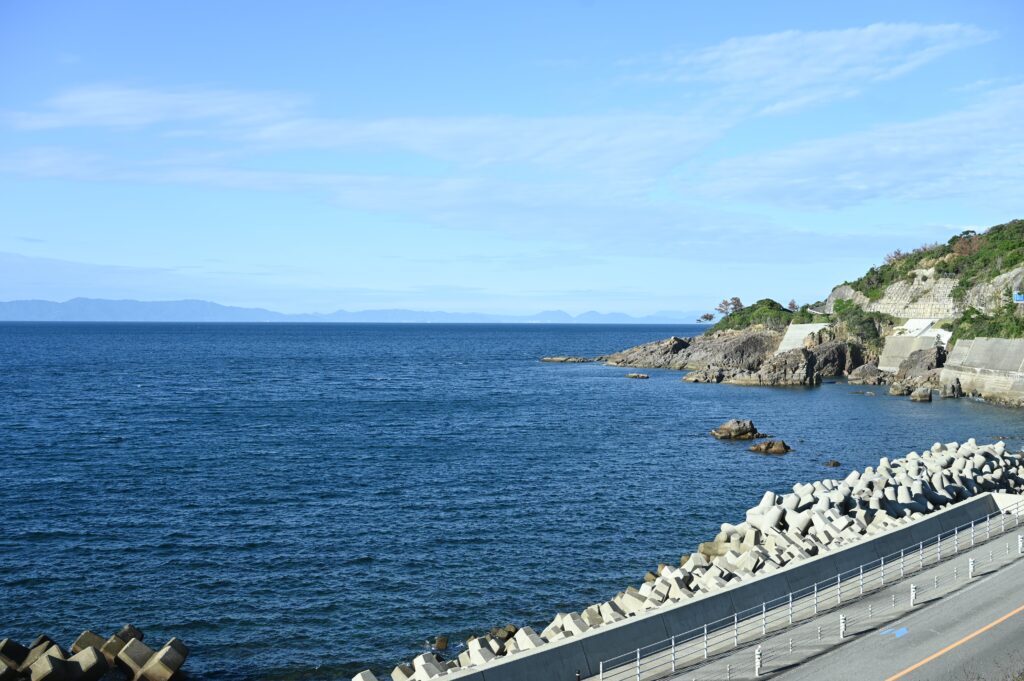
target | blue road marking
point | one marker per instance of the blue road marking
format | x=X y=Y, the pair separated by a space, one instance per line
x=902 y=631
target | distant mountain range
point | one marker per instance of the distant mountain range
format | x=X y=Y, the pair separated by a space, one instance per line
x=99 y=310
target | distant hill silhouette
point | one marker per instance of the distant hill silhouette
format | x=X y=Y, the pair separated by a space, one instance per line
x=100 y=310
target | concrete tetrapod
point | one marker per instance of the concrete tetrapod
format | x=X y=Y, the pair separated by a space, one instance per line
x=163 y=664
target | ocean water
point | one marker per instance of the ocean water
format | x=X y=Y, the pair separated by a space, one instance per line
x=305 y=501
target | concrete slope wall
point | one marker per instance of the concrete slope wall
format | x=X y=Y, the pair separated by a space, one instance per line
x=795 y=335
x=990 y=367
x=898 y=348
x=560 y=661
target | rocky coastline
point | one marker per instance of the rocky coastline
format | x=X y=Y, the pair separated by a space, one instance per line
x=812 y=519
x=748 y=357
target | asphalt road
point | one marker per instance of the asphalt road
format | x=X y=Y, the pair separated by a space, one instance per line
x=974 y=634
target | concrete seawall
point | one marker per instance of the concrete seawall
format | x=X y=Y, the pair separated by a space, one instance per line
x=795 y=335
x=560 y=661
x=898 y=348
x=990 y=367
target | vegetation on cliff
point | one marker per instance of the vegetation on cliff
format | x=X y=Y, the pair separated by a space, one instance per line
x=867 y=328
x=970 y=257
x=766 y=312
x=1005 y=323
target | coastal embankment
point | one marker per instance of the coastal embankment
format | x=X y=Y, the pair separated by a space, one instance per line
x=784 y=543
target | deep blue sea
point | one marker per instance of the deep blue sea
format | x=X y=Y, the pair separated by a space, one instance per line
x=304 y=501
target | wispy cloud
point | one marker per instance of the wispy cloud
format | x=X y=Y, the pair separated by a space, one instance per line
x=975 y=151
x=793 y=69
x=126 y=107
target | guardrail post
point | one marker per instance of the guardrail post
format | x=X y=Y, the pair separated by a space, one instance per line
x=970 y=568
x=883 y=570
x=839 y=589
x=902 y=563
x=938 y=554
x=1019 y=538
x=673 y=653
x=956 y=539
x=861 y=579
x=988 y=528
x=920 y=563
x=842 y=627
x=637 y=664
x=913 y=595
x=757 y=661
x=1002 y=522
x=764 y=618
x=1020 y=544
x=705 y=641
x=735 y=630
x=600 y=671
x=815 y=598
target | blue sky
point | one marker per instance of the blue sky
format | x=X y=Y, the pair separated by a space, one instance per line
x=488 y=157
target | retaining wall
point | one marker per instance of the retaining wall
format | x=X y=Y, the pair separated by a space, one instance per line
x=898 y=348
x=560 y=661
x=795 y=335
x=990 y=367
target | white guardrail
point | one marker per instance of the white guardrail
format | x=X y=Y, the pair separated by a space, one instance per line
x=700 y=647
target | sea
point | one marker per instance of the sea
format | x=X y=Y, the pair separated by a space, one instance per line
x=306 y=501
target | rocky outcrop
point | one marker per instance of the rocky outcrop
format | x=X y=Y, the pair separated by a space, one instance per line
x=737 y=429
x=795 y=367
x=921 y=395
x=747 y=349
x=566 y=359
x=869 y=374
x=920 y=363
x=775 y=447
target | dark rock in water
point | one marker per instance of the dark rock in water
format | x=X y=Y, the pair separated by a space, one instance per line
x=440 y=643
x=952 y=390
x=566 y=360
x=900 y=389
x=921 y=395
x=637 y=376
x=771 y=447
x=832 y=463
x=737 y=429
x=868 y=374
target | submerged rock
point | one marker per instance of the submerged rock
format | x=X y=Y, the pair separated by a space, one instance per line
x=637 y=376
x=832 y=463
x=559 y=359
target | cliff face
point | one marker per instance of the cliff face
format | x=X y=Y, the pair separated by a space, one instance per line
x=924 y=296
x=930 y=296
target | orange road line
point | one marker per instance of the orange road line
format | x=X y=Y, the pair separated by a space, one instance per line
x=951 y=646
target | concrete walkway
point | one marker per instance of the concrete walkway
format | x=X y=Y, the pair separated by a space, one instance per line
x=884 y=635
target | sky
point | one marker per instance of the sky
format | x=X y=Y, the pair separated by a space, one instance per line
x=496 y=157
